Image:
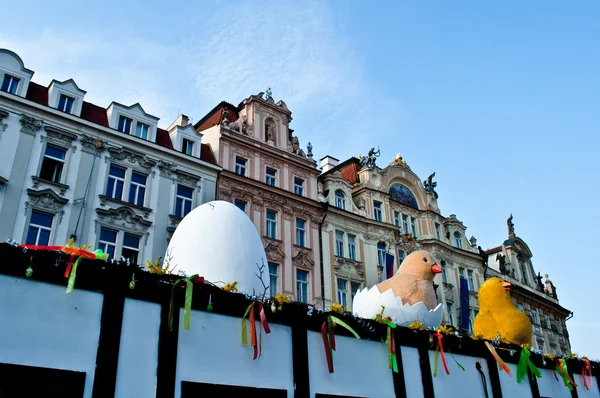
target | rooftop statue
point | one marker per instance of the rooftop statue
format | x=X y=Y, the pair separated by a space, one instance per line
x=430 y=185
x=369 y=160
x=511 y=226
x=268 y=94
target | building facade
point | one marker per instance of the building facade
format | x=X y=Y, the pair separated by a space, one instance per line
x=106 y=176
x=268 y=176
x=512 y=262
x=372 y=211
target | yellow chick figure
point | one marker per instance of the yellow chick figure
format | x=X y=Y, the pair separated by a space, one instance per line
x=499 y=316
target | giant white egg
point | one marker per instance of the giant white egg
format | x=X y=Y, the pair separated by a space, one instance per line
x=218 y=241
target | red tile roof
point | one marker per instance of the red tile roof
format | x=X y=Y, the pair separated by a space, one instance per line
x=207 y=154
x=163 y=138
x=350 y=172
x=94 y=113
x=494 y=250
x=37 y=94
x=215 y=116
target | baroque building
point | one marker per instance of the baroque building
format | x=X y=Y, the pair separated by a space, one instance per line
x=512 y=262
x=109 y=176
x=374 y=212
x=269 y=177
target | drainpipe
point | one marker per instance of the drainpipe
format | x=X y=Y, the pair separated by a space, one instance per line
x=325 y=207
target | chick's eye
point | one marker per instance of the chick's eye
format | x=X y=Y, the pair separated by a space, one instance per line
x=425 y=259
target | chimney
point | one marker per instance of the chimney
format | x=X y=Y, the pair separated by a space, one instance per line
x=181 y=121
x=328 y=163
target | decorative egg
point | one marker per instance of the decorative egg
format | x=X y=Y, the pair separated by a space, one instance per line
x=218 y=241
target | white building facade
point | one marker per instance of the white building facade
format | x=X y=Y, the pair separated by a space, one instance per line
x=106 y=176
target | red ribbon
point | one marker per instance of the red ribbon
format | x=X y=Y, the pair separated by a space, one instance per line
x=555 y=376
x=328 y=353
x=439 y=339
x=586 y=366
x=565 y=375
x=74 y=252
x=256 y=338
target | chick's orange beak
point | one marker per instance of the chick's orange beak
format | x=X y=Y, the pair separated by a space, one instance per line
x=435 y=269
x=506 y=286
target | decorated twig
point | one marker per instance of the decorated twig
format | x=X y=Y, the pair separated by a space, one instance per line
x=329 y=337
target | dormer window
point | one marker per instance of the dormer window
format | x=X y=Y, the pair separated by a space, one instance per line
x=141 y=130
x=188 y=147
x=10 y=84
x=65 y=103
x=124 y=124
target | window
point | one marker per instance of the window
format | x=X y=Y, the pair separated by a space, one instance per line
x=116 y=181
x=271 y=177
x=141 y=130
x=137 y=188
x=401 y=256
x=355 y=287
x=65 y=103
x=273 y=274
x=302 y=285
x=340 y=200
x=559 y=328
x=413 y=226
x=188 y=147
x=381 y=254
x=405 y=223
x=108 y=241
x=124 y=124
x=300 y=232
x=461 y=272
x=472 y=316
x=547 y=321
x=457 y=240
x=377 y=211
x=271 y=224
x=53 y=163
x=351 y=247
x=471 y=281
x=298 y=186
x=397 y=218
x=450 y=316
x=183 y=200
x=444 y=276
x=131 y=248
x=339 y=243
x=10 y=84
x=342 y=292
x=40 y=227
x=535 y=319
x=438 y=231
x=240 y=166
x=241 y=205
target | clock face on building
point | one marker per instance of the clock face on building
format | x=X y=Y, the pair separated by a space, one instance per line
x=403 y=195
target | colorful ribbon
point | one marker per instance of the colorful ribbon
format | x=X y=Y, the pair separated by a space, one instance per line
x=187 y=309
x=501 y=364
x=561 y=367
x=524 y=363
x=586 y=367
x=439 y=349
x=393 y=359
x=257 y=345
x=329 y=337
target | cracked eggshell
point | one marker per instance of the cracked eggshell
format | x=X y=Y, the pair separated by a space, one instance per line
x=218 y=241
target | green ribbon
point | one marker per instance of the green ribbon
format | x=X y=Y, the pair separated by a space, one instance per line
x=100 y=255
x=244 y=329
x=337 y=321
x=187 y=310
x=457 y=364
x=564 y=375
x=437 y=353
x=524 y=363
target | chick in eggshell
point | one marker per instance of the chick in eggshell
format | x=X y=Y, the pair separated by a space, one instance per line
x=414 y=280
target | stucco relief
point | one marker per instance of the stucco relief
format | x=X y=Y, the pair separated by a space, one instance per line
x=122 y=218
x=120 y=154
x=344 y=265
x=242 y=152
x=92 y=145
x=46 y=200
x=59 y=137
x=3 y=115
x=274 y=251
x=30 y=125
x=303 y=259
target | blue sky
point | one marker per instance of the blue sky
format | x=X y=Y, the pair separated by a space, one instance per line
x=500 y=100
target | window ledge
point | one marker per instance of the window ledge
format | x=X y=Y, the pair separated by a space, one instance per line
x=302 y=247
x=37 y=181
x=106 y=200
x=268 y=239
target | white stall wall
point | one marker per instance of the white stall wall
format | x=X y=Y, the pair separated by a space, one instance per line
x=361 y=368
x=412 y=372
x=41 y=325
x=510 y=387
x=461 y=383
x=581 y=391
x=212 y=352
x=550 y=387
x=138 y=351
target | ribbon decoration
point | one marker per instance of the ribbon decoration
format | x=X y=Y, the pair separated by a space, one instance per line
x=329 y=337
x=393 y=359
x=561 y=367
x=257 y=345
x=501 y=364
x=187 y=309
x=586 y=367
x=524 y=363
x=439 y=349
x=71 y=269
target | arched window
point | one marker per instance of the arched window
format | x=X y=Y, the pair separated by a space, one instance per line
x=381 y=249
x=340 y=199
x=402 y=194
x=457 y=240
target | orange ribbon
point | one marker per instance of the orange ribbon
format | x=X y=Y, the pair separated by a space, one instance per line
x=441 y=347
x=501 y=364
x=255 y=339
x=586 y=367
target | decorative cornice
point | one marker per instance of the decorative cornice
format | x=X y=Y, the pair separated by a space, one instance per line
x=132 y=156
x=302 y=259
x=30 y=125
x=122 y=218
x=3 y=114
x=59 y=136
x=107 y=201
x=46 y=200
x=273 y=250
x=343 y=262
x=92 y=145
x=37 y=181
